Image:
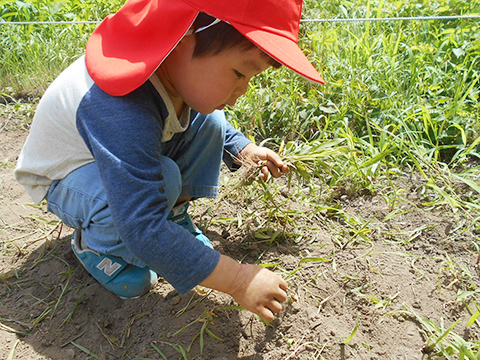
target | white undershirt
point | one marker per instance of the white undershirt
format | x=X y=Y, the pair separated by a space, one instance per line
x=173 y=125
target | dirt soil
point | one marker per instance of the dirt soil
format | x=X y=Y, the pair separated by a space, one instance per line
x=417 y=264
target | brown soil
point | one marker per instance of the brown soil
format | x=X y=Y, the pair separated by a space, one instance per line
x=419 y=262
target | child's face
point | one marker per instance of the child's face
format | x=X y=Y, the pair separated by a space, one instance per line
x=209 y=82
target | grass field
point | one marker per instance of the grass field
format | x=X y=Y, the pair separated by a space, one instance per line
x=400 y=104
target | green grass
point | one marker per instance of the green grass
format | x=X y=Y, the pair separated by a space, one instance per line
x=33 y=55
x=402 y=96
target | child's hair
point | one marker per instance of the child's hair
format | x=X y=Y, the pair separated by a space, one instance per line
x=220 y=37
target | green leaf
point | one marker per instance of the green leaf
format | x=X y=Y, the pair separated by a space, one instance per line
x=158 y=350
x=85 y=350
x=353 y=332
x=469 y=182
x=473 y=318
x=12 y=351
x=313 y=259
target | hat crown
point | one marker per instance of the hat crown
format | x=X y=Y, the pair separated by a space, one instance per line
x=280 y=17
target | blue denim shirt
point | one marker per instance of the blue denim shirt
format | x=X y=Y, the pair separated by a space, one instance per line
x=124 y=136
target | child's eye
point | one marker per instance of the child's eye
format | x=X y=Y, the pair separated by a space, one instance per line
x=239 y=74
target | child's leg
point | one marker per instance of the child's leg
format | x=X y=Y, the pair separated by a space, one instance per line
x=80 y=202
x=198 y=153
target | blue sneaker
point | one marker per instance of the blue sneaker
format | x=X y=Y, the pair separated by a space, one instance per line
x=114 y=273
x=180 y=216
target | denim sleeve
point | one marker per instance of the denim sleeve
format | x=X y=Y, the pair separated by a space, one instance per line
x=235 y=141
x=124 y=136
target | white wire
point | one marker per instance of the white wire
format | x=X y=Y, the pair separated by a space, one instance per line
x=48 y=22
x=406 y=18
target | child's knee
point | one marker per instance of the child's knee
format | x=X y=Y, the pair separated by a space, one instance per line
x=216 y=123
x=173 y=180
x=211 y=127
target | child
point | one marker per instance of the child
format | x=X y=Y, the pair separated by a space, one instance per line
x=126 y=136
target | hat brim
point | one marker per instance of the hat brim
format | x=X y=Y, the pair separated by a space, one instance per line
x=122 y=53
x=282 y=49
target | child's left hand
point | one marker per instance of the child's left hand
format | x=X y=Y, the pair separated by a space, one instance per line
x=273 y=163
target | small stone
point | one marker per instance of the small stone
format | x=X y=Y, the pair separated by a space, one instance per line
x=70 y=353
x=411 y=332
x=107 y=324
x=176 y=300
x=296 y=307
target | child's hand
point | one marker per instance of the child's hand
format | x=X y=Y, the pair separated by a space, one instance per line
x=260 y=290
x=257 y=289
x=273 y=162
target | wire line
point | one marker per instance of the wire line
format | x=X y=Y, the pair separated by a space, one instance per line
x=401 y=18
x=405 y=18
x=49 y=22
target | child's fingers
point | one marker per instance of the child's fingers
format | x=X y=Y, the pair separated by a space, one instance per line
x=262 y=292
x=272 y=168
x=281 y=296
x=266 y=314
x=264 y=173
x=275 y=307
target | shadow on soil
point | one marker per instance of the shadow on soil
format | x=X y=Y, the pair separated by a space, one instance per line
x=56 y=307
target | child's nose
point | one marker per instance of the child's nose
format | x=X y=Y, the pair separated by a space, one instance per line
x=242 y=88
x=232 y=100
x=239 y=91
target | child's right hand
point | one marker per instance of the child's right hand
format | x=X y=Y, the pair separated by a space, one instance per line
x=255 y=288
x=259 y=290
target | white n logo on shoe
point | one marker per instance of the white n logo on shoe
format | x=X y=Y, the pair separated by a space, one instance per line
x=108 y=266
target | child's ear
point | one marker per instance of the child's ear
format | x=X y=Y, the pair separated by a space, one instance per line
x=187 y=41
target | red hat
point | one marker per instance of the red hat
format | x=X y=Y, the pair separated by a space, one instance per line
x=128 y=46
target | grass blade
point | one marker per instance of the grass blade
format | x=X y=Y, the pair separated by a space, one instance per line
x=12 y=351
x=85 y=350
x=353 y=332
x=158 y=350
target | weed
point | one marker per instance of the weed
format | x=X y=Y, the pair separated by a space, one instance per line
x=444 y=343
